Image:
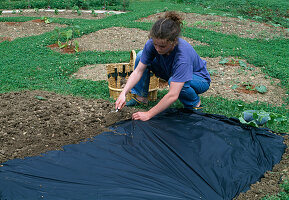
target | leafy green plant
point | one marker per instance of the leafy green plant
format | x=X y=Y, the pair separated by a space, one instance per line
x=250 y=87
x=76 y=46
x=244 y=66
x=79 y=12
x=92 y=12
x=47 y=20
x=1 y=12
x=58 y=35
x=224 y=61
x=241 y=18
x=261 y=89
x=56 y=11
x=69 y=37
x=258 y=118
x=75 y=9
x=40 y=98
x=213 y=72
x=235 y=86
x=36 y=10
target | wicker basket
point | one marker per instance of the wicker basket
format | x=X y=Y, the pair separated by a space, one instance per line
x=118 y=74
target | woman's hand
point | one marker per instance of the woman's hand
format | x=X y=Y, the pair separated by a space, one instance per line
x=165 y=102
x=131 y=82
x=143 y=116
x=120 y=102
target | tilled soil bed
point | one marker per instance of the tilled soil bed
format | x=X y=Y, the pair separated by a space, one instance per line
x=34 y=122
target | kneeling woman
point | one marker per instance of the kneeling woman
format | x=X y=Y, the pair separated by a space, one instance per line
x=170 y=58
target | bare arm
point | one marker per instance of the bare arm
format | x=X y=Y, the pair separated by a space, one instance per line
x=165 y=102
x=131 y=82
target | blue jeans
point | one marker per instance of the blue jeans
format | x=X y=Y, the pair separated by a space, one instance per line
x=189 y=95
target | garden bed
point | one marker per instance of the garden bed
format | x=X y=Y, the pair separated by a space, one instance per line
x=34 y=122
x=229 y=25
x=13 y=30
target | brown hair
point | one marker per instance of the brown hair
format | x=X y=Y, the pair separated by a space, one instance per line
x=167 y=27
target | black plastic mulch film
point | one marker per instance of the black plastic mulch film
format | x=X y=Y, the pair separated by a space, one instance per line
x=175 y=155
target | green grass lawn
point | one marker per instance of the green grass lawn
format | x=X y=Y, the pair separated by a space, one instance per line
x=27 y=64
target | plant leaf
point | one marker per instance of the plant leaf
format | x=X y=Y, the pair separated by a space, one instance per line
x=224 y=61
x=68 y=34
x=62 y=46
x=40 y=98
x=261 y=89
x=242 y=63
x=234 y=86
x=250 y=123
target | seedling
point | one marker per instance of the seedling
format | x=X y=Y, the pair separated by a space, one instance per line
x=244 y=66
x=14 y=12
x=257 y=17
x=57 y=30
x=56 y=11
x=227 y=61
x=250 y=87
x=36 y=10
x=69 y=35
x=1 y=12
x=79 y=12
x=46 y=20
x=75 y=9
x=76 y=46
x=234 y=87
x=241 y=18
x=261 y=89
x=224 y=61
x=213 y=72
x=40 y=98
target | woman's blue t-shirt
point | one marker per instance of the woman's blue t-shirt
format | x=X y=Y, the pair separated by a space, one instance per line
x=179 y=65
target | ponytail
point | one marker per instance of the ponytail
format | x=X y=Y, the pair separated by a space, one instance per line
x=167 y=27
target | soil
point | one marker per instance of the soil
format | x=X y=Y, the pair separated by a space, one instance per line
x=70 y=48
x=13 y=30
x=229 y=25
x=34 y=122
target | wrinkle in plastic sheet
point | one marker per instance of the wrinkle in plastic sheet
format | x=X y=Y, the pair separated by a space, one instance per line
x=175 y=155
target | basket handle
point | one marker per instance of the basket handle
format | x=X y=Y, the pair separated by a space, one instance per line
x=132 y=58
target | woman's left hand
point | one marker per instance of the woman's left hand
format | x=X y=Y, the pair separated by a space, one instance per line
x=143 y=116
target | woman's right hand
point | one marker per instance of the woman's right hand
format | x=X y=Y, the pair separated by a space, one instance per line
x=120 y=102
